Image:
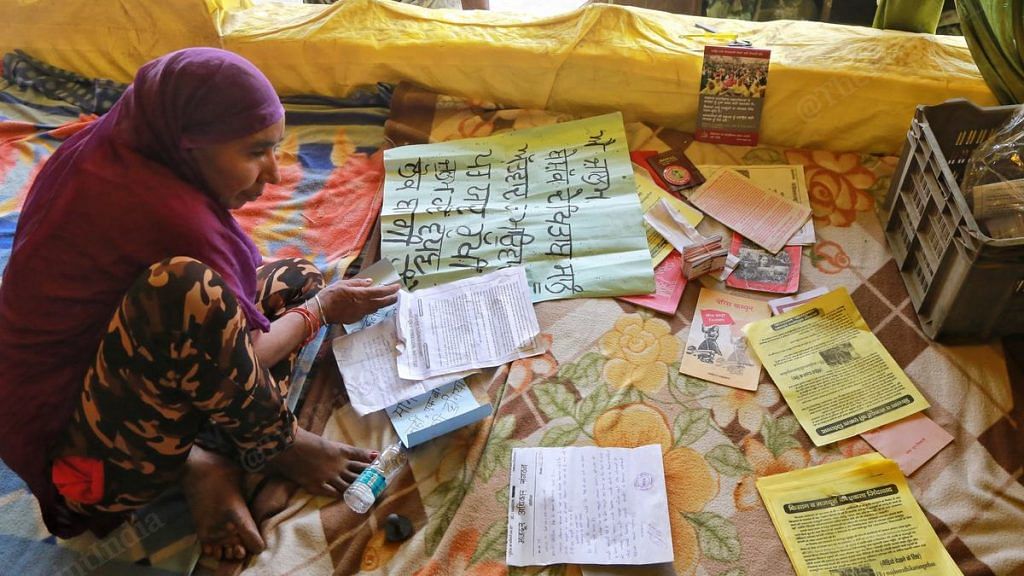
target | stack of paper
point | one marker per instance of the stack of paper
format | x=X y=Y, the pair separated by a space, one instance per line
x=367 y=360
x=700 y=254
x=473 y=323
x=785 y=180
x=703 y=257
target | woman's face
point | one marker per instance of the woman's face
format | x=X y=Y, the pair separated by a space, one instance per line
x=236 y=171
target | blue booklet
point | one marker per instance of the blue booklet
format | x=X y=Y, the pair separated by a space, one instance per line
x=435 y=413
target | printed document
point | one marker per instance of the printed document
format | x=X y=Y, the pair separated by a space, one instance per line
x=468 y=324
x=855 y=516
x=766 y=219
x=588 y=505
x=833 y=372
x=786 y=180
x=367 y=360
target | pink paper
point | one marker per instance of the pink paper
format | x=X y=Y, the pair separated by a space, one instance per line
x=911 y=441
x=766 y=219
x=669 y=282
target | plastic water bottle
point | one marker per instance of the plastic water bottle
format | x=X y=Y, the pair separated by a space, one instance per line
x=368 y=486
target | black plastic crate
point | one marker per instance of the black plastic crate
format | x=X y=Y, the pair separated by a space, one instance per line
x=964 y=285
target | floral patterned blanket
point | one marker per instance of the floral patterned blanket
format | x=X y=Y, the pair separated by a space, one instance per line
x=610 y=378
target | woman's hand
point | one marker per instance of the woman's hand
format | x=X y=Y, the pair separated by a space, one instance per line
x=347 y=301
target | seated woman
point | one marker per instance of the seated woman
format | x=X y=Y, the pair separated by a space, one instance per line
x=142 y=344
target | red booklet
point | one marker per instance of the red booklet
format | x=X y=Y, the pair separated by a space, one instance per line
x=668 y=277
x=760 y=270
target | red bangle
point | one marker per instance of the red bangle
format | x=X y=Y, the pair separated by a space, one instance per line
x=312 y=322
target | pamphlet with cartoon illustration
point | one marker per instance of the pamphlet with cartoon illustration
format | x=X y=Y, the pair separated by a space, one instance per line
x=732 y=89
x=716 y=349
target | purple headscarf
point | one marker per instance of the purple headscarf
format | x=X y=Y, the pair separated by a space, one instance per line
x=115 y=198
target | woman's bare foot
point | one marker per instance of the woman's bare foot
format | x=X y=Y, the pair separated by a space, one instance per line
x=223 y=522
x=320 y=466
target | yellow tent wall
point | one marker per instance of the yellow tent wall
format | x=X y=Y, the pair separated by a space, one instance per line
x=834 y=87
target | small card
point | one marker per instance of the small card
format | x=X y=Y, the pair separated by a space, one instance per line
x=435 y=413
x=783 y=305
x=769 y=220
x=716 y=348
x=669 y=282
x=911 y=441
x=675 y=171
x=763 y=271
x=732 y=89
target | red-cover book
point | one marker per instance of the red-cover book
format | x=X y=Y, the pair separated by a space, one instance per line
x=760 y=270
x=669 y=281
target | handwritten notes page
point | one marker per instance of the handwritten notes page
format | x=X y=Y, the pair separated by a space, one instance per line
x=588 y=505
x=558 y=199
x=833 y=372
x=367 y=360
x=438 y=412
x=854 y=516
x=473 y=323
x=765 y=218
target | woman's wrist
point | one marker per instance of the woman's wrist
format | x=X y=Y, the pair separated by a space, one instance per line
x=321 y=313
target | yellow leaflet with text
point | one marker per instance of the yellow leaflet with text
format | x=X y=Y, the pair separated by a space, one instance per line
x=649 y=193
x=833 y=372
x=855 y=516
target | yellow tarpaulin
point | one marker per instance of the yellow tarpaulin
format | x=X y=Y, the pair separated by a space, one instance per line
x=835 y=87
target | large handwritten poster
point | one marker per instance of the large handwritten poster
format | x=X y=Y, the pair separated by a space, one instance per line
x=559 y=200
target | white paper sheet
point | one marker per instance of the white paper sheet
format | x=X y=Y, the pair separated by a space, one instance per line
x=673 y=226
x=367 y=361
x=465 y=325
x=588 y=505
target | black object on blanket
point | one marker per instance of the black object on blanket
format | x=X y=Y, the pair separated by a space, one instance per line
x=91 y=95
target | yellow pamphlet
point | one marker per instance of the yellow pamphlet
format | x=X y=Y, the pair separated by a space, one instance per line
x=833 y=372
x=855 y=516
x=649 y=193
